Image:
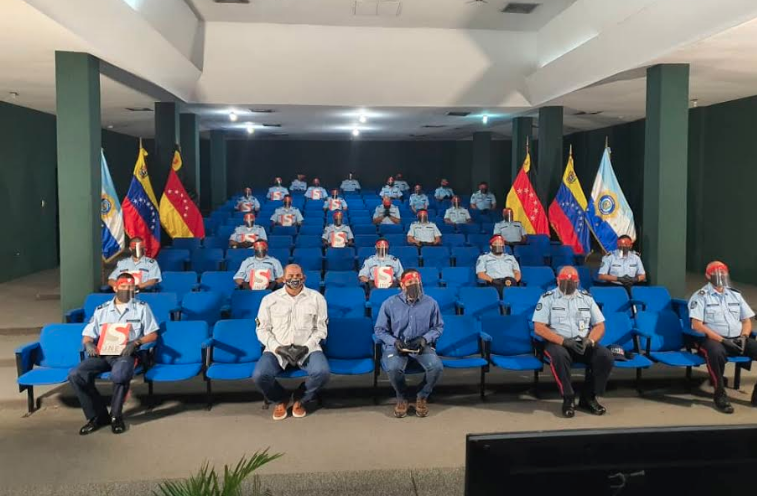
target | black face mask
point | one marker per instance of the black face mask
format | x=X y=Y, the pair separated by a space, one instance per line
x=294 y=283
x=567 y=287
x=413 y=292
x=261 y=252
x=625 y=250
x=123 y=295
x=498 y=250
x=483 y=190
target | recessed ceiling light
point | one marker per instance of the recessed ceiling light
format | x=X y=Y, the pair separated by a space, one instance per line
x=363 y=119
x=233 y=116
x=250 y=128
x=13 y=94
x=110 y=126
x=485 y=119
x=356 y=132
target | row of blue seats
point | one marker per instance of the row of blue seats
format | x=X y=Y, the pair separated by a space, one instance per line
x=357 y=225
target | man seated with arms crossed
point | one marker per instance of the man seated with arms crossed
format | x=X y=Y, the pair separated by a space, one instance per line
x=720 y=312
x=259 y=271
x=423 y=232
x=145 y=270
x=457 y=214
x=409 y=324
x=287 y=215
x=245 y=235
x=291 y=324
x=443 y=192
x=248 y=203
x=497 y=268
x=622 y=266
x=381 y=270
x=571 y=324
x=140 y=323
x=337 y=235
x=386 y=213
x=512 y=231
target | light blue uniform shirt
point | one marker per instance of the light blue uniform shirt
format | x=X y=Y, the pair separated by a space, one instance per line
x=298 y=185
x=615 y=264
x=513 y=232
x=483 y=201
x=350 y=185
x=442 y=193
x=569 y=316
x=277 y=189
x=402 y=185
x=393 y=212
x=398 y=319
x=286 y=211
x=334 y=229
x=248 y=203
x=391 y=191
x=333 y=204
x=721 y=312
x=255 y=263
x=148 y=267
x=241 y=231
x=457 y=215
x=418 y=201
x=374 y=261
x=497 y=266
x=425 y=233
x=311 y=192
x=137 y=313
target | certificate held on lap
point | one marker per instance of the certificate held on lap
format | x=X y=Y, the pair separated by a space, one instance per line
x=260 y=279
x=338 y=239
x=383 y=277
x=286 y=220
x=113 y=339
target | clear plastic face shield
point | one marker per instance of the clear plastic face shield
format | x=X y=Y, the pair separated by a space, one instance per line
x=124 y=289
x=412 y=286
x=338 y=219
x=497 y=245
x=349 y=176
x=456 y=202
x=261 y=248
x=277 y=181
x=137 y=248
x=247 y=192
x=249 y=220
x=625 y=245
x=334 y=194
x=567 y=282
x=422 y=216
x=717 y=274
x=507 y=215
x=287 y=202
x=382 y=249
x=390 y=182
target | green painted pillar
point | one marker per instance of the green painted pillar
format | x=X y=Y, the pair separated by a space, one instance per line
x=482 y=160
x=521 y=137
x=190 y=153
x=77 y=93
x=217 y=168
x=663 y=244
x=549 y=169
x=166 y=139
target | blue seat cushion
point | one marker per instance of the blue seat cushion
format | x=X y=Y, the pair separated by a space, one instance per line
x=739 y=359
x=139 y=369
x=522 y=362
x=169 y=373
x=40 y=376
x=230 y=371
x=292 y=373
x=637 y=362
x=463 y=363
x=677 y=358
x=354 y=366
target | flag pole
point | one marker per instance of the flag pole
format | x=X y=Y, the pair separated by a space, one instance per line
x=570 y=150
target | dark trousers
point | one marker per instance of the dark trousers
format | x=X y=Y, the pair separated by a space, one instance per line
x=82 y=379
x=716 y=356
x=268 y=368
x=598 y=361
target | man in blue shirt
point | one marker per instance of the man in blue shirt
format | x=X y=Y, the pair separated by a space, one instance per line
x=298 y=184
x=142 y=327
x=483 y=200
x=622 y=266
x=409 y=324
x=418 y=200
x=316 y=191
x=277 y=192
x=248 y=203
x=443 y=192
x=145 y=270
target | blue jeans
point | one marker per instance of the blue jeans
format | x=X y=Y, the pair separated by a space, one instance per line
x=268 y=368
x=82 y=379
x=394 y=364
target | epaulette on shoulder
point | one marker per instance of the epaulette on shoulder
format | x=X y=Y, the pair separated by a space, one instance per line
x=701 y=292
x=584 y=292
x=150 y=260
x=392 y=257
x=734 y=290
x=100 y=307
x=548 y=293
x=139 y=302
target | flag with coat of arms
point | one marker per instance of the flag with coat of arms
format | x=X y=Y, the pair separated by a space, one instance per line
x=567 y=213
x=111 y=219
x=141 y=208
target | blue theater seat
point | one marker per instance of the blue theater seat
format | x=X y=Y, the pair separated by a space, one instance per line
x=521 y=300
x=454 y=277
x=377 y=298
x=245 y=304
x=164 y=306
x=511 y=346
x=232 y=353
x=280 y=241
x=173 y=260
x=221 y=282
x=179 y=353
x=453 y=240
x=461 y=346
x=92 y=301
x=542 y=277
x=190 y=244
x=662 y=337
x=235 y=257
x=340 y=259
x=465 y=256
x=619 y=330
x=349 y=346
x=206 y=259
x=179 y=283
x=205 y=306
x=308 y=258
x=345 y=302
x=341 y=279
x=429 y=275
x=435 y=256
x=445 y=297
x=478 y=302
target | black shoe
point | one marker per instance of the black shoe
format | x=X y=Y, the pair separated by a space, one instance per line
x=592 y=406
x=94 y=424
x=568 y=407
x=722 y=403
x=117 y=425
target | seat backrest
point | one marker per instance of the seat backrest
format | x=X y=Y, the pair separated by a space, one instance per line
x=181 y=343
x=186 y=243
x=345 y=302
x=314 y=228
x=349 y=338
x=459 y=276
x=665 y=328
x=308 y=241
x=460 y=338
x=161 y=304
x=542 y=277
x=366 y=240
x=435 y=256
x=510 y=334
x=284 y=231
x=618 y=330
x=245 y=304
x=235 y=341
x=340 y=253
x=522 y=300
x=180 y=283
x=429 y=276
x=280 y=254
x=206 y=259
x=222 y=282
x=205 y=306
x=530 y=255
x=469 y=228
x=379 y=296
x=313 y=279
x=93 y=301
x=396 y=240
x=363 y=229
x=215 y=242
x=390 y=229
x=465 y=256
x=541 y=241
x=453 y=240
x=610 y=299
x=224 y=232
x=235 y=257
x=445 y=297
x=172 y=260
x=655 y=298
x=279 y=241
x=479 y=302
x=60 y=345
x=341 y=279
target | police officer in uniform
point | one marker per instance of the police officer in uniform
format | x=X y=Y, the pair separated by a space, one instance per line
x=408 y=325
x=298 y=184
x=457 y=214
x=335 y=202
x=123 y=309
x=246 y=234
x=482 y=199
x=248 y=203
x=622 y=266
x=443 y=192
x=316 y=191
x=400 y=182
x=418 y=200
x=423 y=232
x=337 y=227
x=350 y=185
x=386 y=213
x=260 y=261
x=571 y=325
x=291 y=324
x=498 y=268
x=720 y=312
x=287 y=209
x=511 y=230
x=147 y=268
x=277 y=191
x=382 y=258
x=390 y=190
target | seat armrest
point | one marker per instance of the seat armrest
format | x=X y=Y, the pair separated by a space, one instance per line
x=642 y=333
x=485 y=336
x=637 y=302
x=485 y=308
x=376 y=339
x=25 y=357
x=691 y=332
x=75 y=316
x=106 y=289
x=536 y=337
x=678 y=304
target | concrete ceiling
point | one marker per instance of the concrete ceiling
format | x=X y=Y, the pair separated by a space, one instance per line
x=444 y=14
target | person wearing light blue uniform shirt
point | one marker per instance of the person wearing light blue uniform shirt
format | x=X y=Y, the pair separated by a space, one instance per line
x=368 y=273
x=457 y=214
x=244 y=235
x=390 y=190
x=482 y=199
x=401 y=183
x=408 y=326
x=298 y=184
x=248 y=203
x=386 y=213
x=337 y=227
x=281 y=214
x=622 y=266
x=512 y=231
x=423 y=232
x=335 y=202
x=260 y=261
x=418 y=200
x=350 y=185
x=145 y=270
x=277 y=191
x=443 y=192
x=316 y=191
x=498 y=268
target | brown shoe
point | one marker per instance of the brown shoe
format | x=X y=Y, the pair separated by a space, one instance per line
x=298 y=410
x=280 y=412
x=421 y=407
x=400 y=409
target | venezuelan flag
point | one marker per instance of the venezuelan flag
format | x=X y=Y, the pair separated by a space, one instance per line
x=141 y=208
x=524 y=202
x=567 y=213
x=178 y=213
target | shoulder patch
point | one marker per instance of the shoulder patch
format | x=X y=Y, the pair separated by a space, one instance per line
x=539 y=306
x=693 y=304
x=701 y=292
x=100 y=307
x=140 y=302
x=584 y=292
